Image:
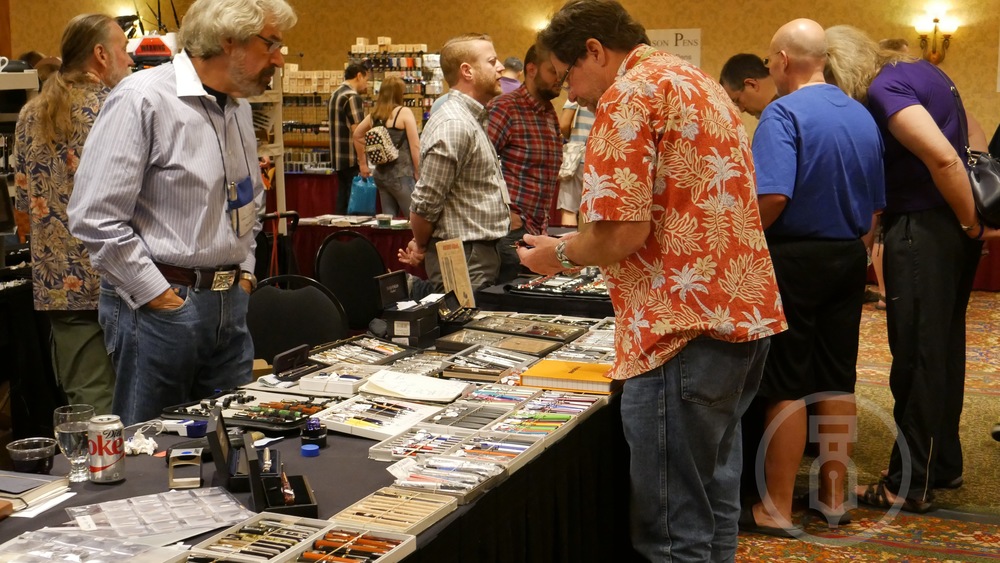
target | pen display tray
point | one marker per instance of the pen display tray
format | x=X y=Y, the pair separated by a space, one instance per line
x=485 y=363
x=418 y=440
x=341 y=378
x=265 y=537
x=525 y=327
x=460 y=477
x=377 y=418
x=358 y=544
x=587 y=284
x=469 y=416
x=360 y=350
x=465 y=338
x=580 y=405
x=497 y=394
x=397 y=510
x=508 y=450
x=252 y=408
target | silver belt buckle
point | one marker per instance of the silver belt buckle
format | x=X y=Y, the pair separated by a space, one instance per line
x=222 y=281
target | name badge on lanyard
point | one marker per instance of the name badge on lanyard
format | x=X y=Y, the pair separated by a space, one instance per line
x=242 y=210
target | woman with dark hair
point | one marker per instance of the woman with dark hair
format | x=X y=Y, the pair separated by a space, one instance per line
x=933 y=240
x=395 y=180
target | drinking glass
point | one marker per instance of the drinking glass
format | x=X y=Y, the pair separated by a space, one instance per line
x=71 y=423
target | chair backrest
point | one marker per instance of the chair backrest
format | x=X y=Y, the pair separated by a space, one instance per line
x=288 y=310
x=347 y=264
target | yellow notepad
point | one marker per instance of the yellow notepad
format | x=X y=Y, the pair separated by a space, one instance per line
x=570 y=376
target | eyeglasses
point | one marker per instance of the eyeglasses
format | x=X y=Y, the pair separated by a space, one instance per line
x=272 y=45
x=565 y=77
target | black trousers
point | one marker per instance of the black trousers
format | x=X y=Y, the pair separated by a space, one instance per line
x=929 y=268
x=344 y=179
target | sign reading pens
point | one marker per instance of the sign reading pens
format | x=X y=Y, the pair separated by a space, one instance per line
x=685 y=43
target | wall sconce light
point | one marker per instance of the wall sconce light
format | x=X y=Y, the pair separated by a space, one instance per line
x=928 y=28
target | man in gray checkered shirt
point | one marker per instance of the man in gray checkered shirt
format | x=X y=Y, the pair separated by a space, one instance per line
x=461 y=192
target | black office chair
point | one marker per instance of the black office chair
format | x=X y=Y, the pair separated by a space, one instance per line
x=289 y=310
x=347 y=264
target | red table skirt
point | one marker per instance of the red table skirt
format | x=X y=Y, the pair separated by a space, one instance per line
x=308 y=238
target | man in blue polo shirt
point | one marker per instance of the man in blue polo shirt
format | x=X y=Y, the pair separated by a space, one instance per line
x=818 y=157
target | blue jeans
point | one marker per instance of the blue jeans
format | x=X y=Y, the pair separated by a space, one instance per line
x=682 y=425
x=165 y=358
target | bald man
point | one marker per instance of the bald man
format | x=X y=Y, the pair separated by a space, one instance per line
x=818 y=156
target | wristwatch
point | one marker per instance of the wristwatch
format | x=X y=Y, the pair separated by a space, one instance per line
x=561 y=256
x=245 y=275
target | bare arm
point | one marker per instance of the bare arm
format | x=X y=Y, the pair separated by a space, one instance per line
x=916 y=130
x=358 y=135
x=413 y=138
x=771 y=206
x=599 y=243
x=566 y=122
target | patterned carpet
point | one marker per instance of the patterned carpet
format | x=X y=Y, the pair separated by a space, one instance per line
x=966 y=525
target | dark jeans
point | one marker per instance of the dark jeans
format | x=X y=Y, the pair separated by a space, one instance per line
x=344 y=179
x=929 y=268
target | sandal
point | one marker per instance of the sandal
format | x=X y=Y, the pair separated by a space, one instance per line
x=748 y=523
x=874 y=495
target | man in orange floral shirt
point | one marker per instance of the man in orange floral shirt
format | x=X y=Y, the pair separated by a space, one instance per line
x=671 y=205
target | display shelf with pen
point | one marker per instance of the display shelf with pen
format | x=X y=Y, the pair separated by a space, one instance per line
x=463 y=478
x=397 y=510
x=376 y=418
x=469 y=415
x=495 y=393
x=525 y=327
x=421 y=439
x=485 y=363
x=361 y=349
x=509 y=450
x=266 y=410
x=265 y=537
x=465 y=338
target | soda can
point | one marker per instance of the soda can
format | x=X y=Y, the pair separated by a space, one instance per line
x=106 y=441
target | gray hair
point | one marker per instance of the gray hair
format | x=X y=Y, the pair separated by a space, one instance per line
x=209 y=22
x=854 y=59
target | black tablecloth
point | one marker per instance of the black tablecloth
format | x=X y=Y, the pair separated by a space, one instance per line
x=568 y=504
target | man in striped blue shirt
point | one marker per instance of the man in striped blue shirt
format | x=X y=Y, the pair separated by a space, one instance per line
x=166 y=202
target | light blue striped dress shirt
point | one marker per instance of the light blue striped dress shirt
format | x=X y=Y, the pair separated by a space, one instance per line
x=151 y=182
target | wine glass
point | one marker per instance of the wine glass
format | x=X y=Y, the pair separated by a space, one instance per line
x=71 y=423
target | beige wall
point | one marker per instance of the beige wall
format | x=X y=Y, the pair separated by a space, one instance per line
x=327 y=28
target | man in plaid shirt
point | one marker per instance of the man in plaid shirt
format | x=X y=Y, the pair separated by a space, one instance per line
x=524 y=128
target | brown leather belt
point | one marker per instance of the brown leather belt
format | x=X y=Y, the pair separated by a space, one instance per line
x=216 y=279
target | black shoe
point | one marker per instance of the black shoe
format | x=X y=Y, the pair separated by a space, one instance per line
x=950 y=484
x=749 y=524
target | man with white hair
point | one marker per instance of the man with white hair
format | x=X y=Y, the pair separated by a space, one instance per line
x=166 y=202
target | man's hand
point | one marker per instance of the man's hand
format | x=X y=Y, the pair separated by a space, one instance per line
x=413 y=254
x=542 y=258
x=166 y=301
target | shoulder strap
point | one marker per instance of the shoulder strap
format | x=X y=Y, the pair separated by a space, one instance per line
x=399 y=110
x=958 y=103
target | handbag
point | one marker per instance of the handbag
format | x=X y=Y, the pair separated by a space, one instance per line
x=379 y=147
x=572 y=156
x=983 y=169
x=362 y=201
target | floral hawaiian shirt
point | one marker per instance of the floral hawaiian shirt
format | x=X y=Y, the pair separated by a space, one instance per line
x=668 y=147
x=62 y=277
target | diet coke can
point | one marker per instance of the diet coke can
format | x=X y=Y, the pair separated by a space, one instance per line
x=106 y=438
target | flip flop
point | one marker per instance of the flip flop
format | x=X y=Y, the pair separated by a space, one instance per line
x=875 y=496
x=749 y=524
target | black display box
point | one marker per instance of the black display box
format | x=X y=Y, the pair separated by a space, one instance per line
x=266 y=490
x=231 y=467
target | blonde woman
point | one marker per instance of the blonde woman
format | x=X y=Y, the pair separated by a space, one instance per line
x=396 y=179
x=933 y=239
